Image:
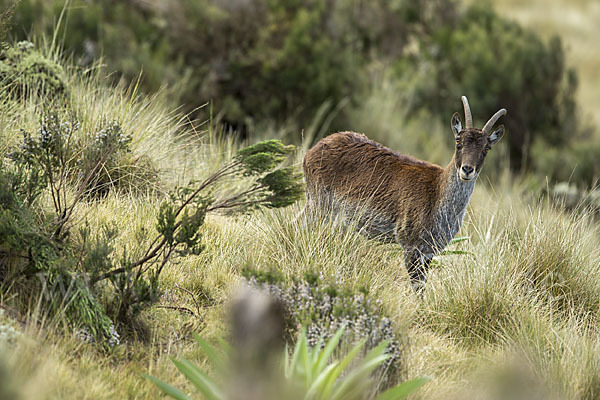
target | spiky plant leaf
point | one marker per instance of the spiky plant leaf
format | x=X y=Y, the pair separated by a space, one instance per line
x=206 y=385
x=404 y=389
x=216 y=359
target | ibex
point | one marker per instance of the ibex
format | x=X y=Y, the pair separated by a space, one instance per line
x=415 y=203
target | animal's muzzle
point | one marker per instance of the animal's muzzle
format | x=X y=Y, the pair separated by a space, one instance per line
x=466 y=172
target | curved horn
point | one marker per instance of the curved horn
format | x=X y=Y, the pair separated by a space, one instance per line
x=468 y=117
x=490 y=124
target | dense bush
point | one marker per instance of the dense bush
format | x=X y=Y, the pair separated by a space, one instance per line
x=36 y=259
x=497 y=63
x=576 y=163
x=24 y=70
x=260 y=60
x=281 y=59
x=323 y=308
x=126 y=34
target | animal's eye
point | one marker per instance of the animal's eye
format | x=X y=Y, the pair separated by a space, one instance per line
x=458 y=145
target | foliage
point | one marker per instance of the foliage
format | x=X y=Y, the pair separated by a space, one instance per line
x=258 y=60
x=307 y=374
x=499 y=64
x=126 y=34
x=57 y=155
x=24 y=70
x=33 y=248
x=282 y=61
x=107 y=156
x=323 y=309
x=51 y=160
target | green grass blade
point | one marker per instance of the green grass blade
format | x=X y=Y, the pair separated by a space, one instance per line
x=225 y=347
x=198 y=378
x=305 y=360
x=314 y=356
x=167 y=389
x=377 y=351
x=455 y=252
x=404 y=389
x=358 y=379
x=286 y=362
x=296 y=355
x=458 y=240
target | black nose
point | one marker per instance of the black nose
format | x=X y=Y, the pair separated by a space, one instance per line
x=467 y=169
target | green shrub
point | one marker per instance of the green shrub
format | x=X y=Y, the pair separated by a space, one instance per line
x=323 y=308
x=80 y=265
x=128 y=36
x=24 y=70
x=259 y=60
x=36 y=260
x=498 y=64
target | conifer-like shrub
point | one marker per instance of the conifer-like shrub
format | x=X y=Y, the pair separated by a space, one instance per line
x=24 y=70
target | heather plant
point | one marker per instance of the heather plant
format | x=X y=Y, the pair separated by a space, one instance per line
x=120 y=170
x=36 y=257
x=322 y=309
x=25 y=70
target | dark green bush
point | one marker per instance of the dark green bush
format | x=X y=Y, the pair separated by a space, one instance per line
x=129 y=35
x=34 y=259
x=498 y=64
x=264 y=60
x=296 y=61
x=24 y=70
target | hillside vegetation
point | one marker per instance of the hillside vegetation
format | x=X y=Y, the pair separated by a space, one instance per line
x=510 y=311
x=575 y=22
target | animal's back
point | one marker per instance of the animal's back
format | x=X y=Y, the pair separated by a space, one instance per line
x=397 y=190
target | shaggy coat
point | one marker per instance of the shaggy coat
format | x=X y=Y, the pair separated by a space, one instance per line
x=397 y=197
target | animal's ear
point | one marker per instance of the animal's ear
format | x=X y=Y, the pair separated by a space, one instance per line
x=456 y=124
x=496 y=135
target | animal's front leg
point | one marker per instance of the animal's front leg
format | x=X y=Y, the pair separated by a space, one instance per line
x=417 y=264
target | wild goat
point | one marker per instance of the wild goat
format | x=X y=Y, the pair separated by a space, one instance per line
x=400 y=198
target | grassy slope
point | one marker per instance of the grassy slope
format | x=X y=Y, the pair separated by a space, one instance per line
x=519 y=314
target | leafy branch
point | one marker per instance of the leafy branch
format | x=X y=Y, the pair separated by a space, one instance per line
x=182 y=215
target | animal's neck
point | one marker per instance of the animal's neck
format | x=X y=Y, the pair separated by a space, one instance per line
x=454 y=193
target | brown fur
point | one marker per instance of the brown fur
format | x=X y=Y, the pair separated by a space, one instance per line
x=418 y=204
x=358 y=169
